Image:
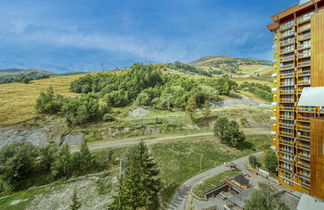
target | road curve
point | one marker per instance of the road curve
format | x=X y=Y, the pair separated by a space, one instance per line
x=180 y=198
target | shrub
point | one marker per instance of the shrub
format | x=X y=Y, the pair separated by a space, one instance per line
x=270 y=162
x=83 y=109
x=228 y=132
x=254 y=162
x=17 y=164
x=48 y=102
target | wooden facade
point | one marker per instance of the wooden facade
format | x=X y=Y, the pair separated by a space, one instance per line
x=317 y=157
x=297 y=133
x=317 y=27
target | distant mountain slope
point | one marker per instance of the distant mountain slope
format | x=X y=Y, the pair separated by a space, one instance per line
x=218 y=65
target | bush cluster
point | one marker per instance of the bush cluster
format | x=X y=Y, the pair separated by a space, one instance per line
x=263 y=91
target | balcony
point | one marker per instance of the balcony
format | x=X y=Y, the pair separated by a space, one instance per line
x=287 y=58
x=303 y=46
x=304 y=164
x=287 y=75
x=303 y=73
x=304 y=28
x=284 y=52
x=287 y=67
x=285 y=35
x=304 y=19
x=303 y=55
x=306 y=185
x=303 y=119
x=304 y=64
x=303 y=157
x=306 y=110
x=303 y=137
x=287 y=92
x=287 y=42
x=304 y=146
x=287 y=84
x=287 y=109
x=282 y=159
x=286 y=26
x=287 y=100
x=286 y=117
x=289 y=170
x=304 y=82
x=304 y=37
x=303 y=128
x=286 y=134
x=304 y=176
x=286 y=125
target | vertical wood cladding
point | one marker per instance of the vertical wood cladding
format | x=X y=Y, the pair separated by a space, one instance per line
x=317 y=50
x=317 y=158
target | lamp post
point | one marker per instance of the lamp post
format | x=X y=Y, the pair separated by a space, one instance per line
x=120 y=166
x=201 y=156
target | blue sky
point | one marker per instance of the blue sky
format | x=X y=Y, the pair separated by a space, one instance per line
x=83 y=35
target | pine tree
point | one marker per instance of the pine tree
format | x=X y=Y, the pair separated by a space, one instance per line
x=142 y=182
x=87 y=161
x=191 y=106
x=119 y=198
x=76 y=204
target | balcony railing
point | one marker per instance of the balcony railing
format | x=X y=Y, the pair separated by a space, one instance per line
x=304 y=64
x=303 y=19
x=303 y=128
x=286 y=134
x=287 y=92
x=287 y=75
x=303 y=157
x=287 y=100
x=304 y=82
x=304 y=28
x=287 y=42
x=287 y=58
x=287 y=84
x=303 y=119
x=286 y=67
x=306 y=110
x=303 y=73
x=286 y=109
x=285 y=35
x=303 y=46
x=283 y=52
x=304 y=37
x=286 y=125
x=286 y=26
x=304 y=55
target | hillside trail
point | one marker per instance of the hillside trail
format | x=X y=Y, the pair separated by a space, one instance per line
x=157 y=139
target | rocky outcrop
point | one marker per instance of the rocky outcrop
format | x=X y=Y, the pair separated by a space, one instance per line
x=37 y=136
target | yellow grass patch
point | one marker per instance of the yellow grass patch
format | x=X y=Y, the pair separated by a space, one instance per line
x=17 y=100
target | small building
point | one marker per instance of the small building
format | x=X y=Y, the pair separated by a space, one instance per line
x=241 y=181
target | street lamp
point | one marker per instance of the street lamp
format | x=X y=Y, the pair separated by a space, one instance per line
x=120 y=166
x=201 y=156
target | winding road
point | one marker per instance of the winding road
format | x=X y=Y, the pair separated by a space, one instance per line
x=180 y=198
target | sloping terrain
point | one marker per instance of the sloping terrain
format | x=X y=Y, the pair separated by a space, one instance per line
x=237 y=68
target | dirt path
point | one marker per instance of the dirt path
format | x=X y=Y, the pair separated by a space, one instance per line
x=180 y=199
x=157 y=139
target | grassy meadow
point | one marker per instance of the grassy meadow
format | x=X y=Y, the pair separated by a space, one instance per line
x=17 y=100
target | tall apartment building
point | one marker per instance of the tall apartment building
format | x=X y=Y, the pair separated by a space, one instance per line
x=298 y=128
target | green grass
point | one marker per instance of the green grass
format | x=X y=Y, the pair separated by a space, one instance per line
x=179 y=161
x=211 y=183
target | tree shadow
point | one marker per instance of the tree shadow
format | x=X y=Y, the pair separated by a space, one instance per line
x=244 y=145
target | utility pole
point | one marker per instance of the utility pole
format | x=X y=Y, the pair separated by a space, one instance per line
x=201 y=156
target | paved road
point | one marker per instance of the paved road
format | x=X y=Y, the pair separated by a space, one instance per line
x=155 y=140
x=180 y=199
